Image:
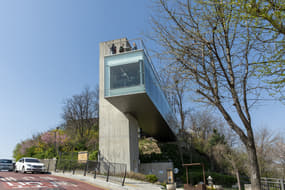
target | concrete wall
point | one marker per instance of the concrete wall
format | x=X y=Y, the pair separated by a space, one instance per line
x=133 y=143
x=49 y=163
x=118 y=141
x=159 y=169
x=247 y=186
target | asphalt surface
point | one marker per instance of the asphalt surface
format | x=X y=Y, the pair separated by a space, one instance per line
x=11 y=180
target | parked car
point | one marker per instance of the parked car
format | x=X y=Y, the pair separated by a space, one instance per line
x=6 y=164
x=29 y=165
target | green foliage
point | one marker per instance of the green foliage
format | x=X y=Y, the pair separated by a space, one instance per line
x=16 y=153
x=69 y=155
x=68 y=164
x=151 y=178
x=66 y=137
x=137 y=176
x=163 y=184
x=38 y=148
x=267 y=20
x=170 y=152
x=93 y=155
x=219 y=179
x=216 y=138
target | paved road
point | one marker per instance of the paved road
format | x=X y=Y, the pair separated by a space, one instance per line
x=11 y=180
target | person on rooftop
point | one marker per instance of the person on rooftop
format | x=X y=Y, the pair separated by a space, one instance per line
x=121 y=50
x=134 y=46
x=113 y=49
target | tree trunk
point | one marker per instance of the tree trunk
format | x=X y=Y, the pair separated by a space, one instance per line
x=211 y=159
x=254 y=168
x=238 y=180
x=180 y=150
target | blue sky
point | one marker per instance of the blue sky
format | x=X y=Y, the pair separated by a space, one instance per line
x=49 y=51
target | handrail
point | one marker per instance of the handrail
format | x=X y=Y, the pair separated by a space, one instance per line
x=156 y=75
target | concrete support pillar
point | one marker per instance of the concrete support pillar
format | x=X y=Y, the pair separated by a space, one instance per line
x=133 y=143
x=118 y=132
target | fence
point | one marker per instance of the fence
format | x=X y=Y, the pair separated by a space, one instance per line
x=272 y=184
x=50 y=164
x=104 y=170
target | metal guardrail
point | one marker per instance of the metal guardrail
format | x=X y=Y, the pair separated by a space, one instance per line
x=272 y=184
x=108 y=171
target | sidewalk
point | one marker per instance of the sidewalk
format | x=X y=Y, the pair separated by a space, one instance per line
x=130 y=184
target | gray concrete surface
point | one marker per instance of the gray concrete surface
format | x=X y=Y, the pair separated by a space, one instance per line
x=118 y=134
x=130 y=184
x=49 y=163
x=157 y=168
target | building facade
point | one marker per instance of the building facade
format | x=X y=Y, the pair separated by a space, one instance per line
x=130 y=98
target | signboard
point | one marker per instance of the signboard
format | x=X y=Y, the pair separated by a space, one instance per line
x=170 y=179
x=82 y=156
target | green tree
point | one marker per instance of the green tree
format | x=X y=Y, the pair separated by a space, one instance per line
x=80 y=114
x=213 y=49
x=268 y=22
x=216 y=138
x=16 y=153
x=269 y=15
x=226 y=155
x=175 y=87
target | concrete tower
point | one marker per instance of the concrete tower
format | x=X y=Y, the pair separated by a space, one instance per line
x=130 y=98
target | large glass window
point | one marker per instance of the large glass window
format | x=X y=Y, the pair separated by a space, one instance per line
x=126 y=75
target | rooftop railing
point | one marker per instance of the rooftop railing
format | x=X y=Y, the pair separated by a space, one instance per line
x=127 y=46
x=124 y=46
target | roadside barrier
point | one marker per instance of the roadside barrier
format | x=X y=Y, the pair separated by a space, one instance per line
x=272 y=184
x=105 y=170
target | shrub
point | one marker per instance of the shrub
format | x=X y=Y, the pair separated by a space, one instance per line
x=163 y=184
x=218 y=178
x=93 y=155
x=151 y=178
x=67 y=164
x=137 y=176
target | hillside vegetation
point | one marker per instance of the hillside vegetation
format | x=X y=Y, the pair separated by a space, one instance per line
x=153 y=151
x=206 y=140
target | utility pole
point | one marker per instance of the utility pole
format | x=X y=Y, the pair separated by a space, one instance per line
x=55 y=143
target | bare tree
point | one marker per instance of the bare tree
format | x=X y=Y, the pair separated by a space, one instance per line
x=206 y=130
x=80 y=114
x=202 y=124
x=176 y=88
x=267 y=145
x=225 y=154
x=210 y=48
x=280 y=157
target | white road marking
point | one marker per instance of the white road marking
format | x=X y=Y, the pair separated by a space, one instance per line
x=28 y=178
x=63 y=183
x=47 y=178
x=32 y=183
x=8 y=179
